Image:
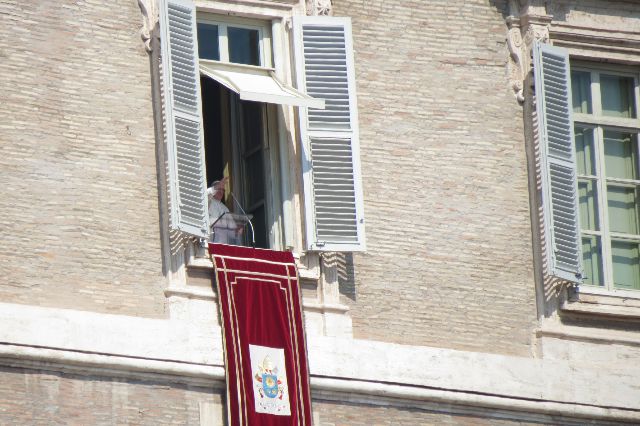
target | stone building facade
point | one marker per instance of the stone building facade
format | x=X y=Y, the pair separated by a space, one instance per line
x=449 y=315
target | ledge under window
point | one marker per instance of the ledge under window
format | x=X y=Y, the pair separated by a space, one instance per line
x=623 y=305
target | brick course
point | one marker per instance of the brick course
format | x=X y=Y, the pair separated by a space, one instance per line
x=36 y=397
x=345 y=414
x=448 y=259
x=79 y=226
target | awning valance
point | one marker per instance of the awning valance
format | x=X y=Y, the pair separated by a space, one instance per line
x=256 y=84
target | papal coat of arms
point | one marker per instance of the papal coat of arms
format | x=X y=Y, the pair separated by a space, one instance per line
x=269 y=380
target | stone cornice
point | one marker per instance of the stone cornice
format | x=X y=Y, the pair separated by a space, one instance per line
x=257 y=8
x=618 y=44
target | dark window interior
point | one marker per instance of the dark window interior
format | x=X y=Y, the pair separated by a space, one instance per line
x=234 y=144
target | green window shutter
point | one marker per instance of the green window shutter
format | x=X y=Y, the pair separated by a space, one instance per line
x=559 y=184
x=182 y=117
x=331 y=161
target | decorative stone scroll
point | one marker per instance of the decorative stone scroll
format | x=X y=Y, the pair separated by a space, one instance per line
x=526 y=23
x=319 y=8
x=150 y=17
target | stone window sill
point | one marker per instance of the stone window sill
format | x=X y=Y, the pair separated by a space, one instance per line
x=201 y=260
x=613 y=306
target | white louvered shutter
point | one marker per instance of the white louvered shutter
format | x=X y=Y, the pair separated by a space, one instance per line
x=331 y=161
x=559 y=184
x=183 y=128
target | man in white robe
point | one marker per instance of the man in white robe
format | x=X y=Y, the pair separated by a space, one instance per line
x=224 y=228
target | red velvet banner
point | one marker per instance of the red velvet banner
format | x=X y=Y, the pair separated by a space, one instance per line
x=263 y=332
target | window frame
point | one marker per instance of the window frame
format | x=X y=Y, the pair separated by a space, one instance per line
x=279 y=45
x=270 y=138
x=599 y=123
x=223 y=22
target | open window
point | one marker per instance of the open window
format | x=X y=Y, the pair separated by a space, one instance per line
x=236 y=131
x=223 y=66
x=588 y=125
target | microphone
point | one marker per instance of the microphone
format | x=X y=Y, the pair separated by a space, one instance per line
x=253 y=235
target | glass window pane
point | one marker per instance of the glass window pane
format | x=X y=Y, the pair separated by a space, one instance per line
x=623 y=209
x=585 y=151
x=254 y=178
x=581 y=91
x=208 y=42
x=244 y=46
x=617 y=96
x=588 y=199
x=592 y=260
x=252 y=128
x=259 y=221
x=626 y=265
x=621 y=154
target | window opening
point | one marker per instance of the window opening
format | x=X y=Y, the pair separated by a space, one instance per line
x=234 y=134
x=605 y=105
x=235 y=130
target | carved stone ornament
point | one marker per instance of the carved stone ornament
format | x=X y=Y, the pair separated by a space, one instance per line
x=516 y=66
x=149 y=9
x=526 y=24
x=319 y=8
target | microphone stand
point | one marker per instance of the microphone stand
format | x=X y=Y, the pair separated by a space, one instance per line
x=253 y=235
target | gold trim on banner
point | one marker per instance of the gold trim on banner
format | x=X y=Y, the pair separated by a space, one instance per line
x=304 y=342
x=239 y=360
x=291 y=323
x=224 y=339
x=291 y=312
x=234 y=337
x=250 y=259
x=260 y=274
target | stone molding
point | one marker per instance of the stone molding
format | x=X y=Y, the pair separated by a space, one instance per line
x=319 y=8
x=367 y=392
x=596 y=43
x=610 y=306
x=402 y=375
x=150 y=17
x=526 y=24
x=186 y=342
x=273 y=8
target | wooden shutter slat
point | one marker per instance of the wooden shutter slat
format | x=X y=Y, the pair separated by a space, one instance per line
x=555 y=129
x=183 y=129
x=331 y=163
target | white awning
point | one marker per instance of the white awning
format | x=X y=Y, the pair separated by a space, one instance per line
x=256 y=84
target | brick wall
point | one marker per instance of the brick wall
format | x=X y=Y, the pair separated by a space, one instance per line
x=35 y=397
x=79 y=223
x=344 y=414
x=449 y=257
x=351 y=414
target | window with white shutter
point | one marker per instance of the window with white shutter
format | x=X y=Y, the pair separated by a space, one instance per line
x=606 y=127
x=559 y=187
x=183 y=127
x=241 y=94
x=330 y=157
x=220 y=98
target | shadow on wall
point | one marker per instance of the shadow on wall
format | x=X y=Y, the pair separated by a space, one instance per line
x=343 y=262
